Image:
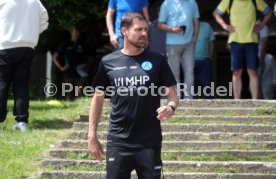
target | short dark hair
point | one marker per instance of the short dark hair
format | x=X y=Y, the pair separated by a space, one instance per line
x=127 y=19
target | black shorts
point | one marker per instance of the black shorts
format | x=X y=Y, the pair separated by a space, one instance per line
x=121 y=161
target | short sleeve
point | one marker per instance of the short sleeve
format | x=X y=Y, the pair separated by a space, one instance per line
x=112 y=4
x=163 y=14
x=196 y=11
x=262 y=6
x=223 y=7
x=101 y=79
x=166 y=75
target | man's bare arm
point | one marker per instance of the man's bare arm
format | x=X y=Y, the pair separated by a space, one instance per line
x=196 y=29
x=163 y=26
x=110 y=27
x=94 y=146
x=56 y=62
x=260 y=26
x=222 y=23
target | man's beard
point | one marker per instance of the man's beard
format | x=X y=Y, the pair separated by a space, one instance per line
x=139 y=43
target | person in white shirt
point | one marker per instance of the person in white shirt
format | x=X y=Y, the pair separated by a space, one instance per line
x=21 y=22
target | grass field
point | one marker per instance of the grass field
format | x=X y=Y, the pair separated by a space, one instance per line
x=21 y=152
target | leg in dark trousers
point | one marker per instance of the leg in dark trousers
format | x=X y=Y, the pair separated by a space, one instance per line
x=5 y=78
x=203 y=76
x=21 y=77
x=121 y=161
x=15 y=65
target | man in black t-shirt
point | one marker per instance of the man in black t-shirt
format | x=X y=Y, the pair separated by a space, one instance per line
x=134 y=79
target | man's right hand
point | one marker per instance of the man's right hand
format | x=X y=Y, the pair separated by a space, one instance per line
x=114 y=40
x=228 y=28
x=95 y=148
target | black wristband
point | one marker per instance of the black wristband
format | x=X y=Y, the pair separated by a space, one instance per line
x=172 y=107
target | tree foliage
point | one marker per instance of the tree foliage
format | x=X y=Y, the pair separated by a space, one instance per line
x=89 y=15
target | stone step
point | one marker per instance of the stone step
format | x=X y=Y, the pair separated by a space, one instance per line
x=227 y=103
x=176 y=155
x=183 y=146
x=207 y=118
x=82 y=144
x=212 y=111
x=167 y=175
x=184 y=166
x=222 y=111
x=195 y=136
x=244 y=128
x=83 y=120
x=185 y=155
x=184 y=108
x=211 y=119
x=198 y=136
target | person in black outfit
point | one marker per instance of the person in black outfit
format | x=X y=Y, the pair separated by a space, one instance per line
x=127 y=76
x=74 y=53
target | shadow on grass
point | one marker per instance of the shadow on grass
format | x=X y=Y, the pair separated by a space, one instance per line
x=51 y=124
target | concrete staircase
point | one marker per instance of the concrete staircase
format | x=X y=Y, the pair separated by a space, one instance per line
x=206 y=139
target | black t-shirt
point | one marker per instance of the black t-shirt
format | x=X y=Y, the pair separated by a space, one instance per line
x=127 y=79
x=74 y=54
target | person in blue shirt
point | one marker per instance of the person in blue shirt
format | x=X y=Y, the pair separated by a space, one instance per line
x=204 y=53
x=179 y=18
x=120 y=8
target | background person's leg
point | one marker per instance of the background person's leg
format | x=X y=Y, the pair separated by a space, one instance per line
x=21 y=77
x=174 y=53
x=5 y=78
x=253 y=83
x=205 y=76
x=188 y=63
x=237 y=83
x=237 y=65
x=252 y=63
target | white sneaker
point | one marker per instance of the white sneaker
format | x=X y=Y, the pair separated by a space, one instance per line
x=22 y=126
